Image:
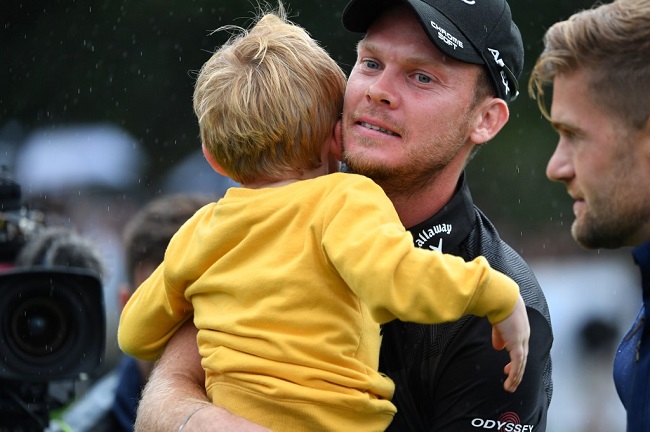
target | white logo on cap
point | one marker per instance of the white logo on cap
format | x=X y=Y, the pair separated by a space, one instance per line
x=504 y=80
x=469 y=2
x=447 y=37
x=497 y=58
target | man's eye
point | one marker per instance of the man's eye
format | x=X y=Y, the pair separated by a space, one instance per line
x=566 y=134
x=370 y=64
x=424 y=79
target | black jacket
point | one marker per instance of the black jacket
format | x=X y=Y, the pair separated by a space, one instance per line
x=448 y=377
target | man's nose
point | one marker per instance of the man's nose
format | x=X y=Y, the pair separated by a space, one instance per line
x=384 y=91
x=560 y=166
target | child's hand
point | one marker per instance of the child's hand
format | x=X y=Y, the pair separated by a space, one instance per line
x=513 y=334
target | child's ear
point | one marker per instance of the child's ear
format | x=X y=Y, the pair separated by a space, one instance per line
x=213 y=163
x=332 y=150
x=336 y=148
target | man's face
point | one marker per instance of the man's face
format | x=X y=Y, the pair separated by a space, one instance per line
x=604 y=165
x=407 y=111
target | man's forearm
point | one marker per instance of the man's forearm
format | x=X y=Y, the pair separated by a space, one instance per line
x=167 y=401
x=176 y=389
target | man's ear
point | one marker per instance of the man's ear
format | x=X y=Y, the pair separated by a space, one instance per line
x=213 y=163
x=491 y=117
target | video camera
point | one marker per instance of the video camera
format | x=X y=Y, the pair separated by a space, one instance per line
x=52 y=322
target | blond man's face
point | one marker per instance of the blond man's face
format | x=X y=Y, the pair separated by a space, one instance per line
x=604 y=165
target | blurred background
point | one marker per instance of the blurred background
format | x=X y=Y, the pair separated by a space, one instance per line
x=96 y=118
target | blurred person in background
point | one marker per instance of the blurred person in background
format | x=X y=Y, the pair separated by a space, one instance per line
x=415 y=111
x=111 y=404
x=598 y=64
x=60 y=247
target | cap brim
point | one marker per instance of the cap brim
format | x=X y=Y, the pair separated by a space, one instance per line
x=359 y=15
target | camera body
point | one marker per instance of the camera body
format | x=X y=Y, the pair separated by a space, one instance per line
x=52 y=322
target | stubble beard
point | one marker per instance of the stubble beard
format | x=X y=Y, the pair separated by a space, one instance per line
x=617 y=215
x=421 y=166
x=605 y=226
x=402 y=180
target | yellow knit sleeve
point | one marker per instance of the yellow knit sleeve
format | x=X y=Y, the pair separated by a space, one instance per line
x=158 y=307
x=150 y=318
x=375 y=256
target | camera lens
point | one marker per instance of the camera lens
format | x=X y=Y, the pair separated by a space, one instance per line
x=39 y=326
x=51 y=324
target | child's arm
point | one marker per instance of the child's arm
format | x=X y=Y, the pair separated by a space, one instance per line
x=151 y=316
x=366 y=243
x=159 y=306
x=513 y=334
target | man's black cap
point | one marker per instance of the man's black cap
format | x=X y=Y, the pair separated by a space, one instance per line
x=472 y=31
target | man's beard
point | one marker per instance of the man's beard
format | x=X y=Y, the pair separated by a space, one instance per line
x=616 y=215
x=405 y=180
x=421 y=168
x=606 y=229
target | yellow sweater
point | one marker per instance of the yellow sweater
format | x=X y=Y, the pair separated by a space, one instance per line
x=287 y=286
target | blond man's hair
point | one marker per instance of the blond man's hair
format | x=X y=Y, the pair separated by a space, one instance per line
x=611 y=43
x=267 y=100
